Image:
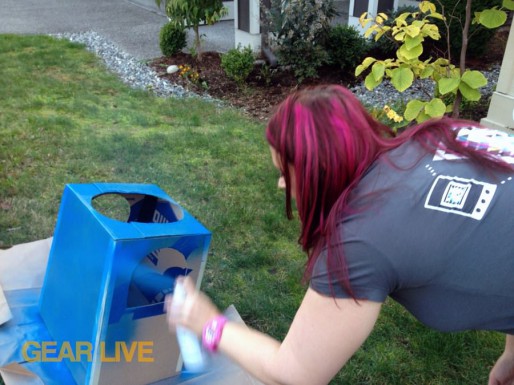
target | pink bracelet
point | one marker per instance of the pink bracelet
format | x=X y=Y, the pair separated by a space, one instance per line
x=212 y=332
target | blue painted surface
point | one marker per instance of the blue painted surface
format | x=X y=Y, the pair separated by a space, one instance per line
x=94 y=260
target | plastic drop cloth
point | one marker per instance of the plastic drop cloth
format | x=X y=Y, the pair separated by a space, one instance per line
x=22 y=271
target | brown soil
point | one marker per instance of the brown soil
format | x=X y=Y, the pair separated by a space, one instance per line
x=266 y=87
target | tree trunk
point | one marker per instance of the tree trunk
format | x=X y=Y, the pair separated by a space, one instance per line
x=462 y=60
x=198 y=43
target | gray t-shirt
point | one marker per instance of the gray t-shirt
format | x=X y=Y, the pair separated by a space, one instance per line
x=434 y=233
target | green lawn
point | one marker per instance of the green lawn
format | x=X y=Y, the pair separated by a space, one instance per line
x=65 y=119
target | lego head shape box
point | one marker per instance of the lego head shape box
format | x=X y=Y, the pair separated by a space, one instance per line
x=111 y=276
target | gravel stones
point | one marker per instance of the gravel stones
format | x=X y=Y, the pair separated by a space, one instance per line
x=385 y=93
x=131 y=71
x=139 y=75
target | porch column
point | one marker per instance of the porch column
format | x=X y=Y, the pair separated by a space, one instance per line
x=501 y=109
x=247 y=22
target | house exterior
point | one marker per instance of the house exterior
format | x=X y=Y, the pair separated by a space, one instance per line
x=247 y=29
x=501 y=109
x=229 y=4
x=247 y=21
x=358 y=7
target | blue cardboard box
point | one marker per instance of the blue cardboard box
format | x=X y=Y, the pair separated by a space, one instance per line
x=102 y=298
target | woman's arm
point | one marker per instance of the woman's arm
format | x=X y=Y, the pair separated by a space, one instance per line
x=324 y=334
x=503 y=371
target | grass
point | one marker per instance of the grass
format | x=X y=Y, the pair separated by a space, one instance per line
x=65 y=119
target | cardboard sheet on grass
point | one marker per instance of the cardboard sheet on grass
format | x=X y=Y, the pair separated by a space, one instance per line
x=22 y=271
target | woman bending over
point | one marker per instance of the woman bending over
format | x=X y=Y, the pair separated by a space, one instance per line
x=425 y=217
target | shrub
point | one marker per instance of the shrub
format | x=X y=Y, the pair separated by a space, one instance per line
x=172 y=39
x=455 y=13
x=238 y=63
x=387 y=47
x=346 y=47
x=300 y=29
x=192 y=13
x=451 y=82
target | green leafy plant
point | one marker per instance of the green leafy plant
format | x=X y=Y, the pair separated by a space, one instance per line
x=407 y=66
x=191 y=13
x=238 y=63
x=452 y=28
x=189 y=73
x=299 y=30
x=389 y=115
x=172 y=39
x=266 y=73
x=346 y=46
x=387 y=46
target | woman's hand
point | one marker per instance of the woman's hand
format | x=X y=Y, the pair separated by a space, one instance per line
x=503 y=371
x=325 y=333
x=196 y=310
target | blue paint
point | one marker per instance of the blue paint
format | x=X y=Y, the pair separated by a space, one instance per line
x=96 y=263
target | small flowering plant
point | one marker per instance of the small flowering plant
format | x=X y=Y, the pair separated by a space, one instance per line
x=189 y=73
x=389 y=116
x=392 y=114
x=392 y=118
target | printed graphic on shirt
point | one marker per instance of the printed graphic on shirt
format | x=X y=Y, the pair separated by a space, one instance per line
x=493 y=141
x=466 y=197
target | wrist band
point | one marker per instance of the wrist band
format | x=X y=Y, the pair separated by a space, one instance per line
x=212 y=332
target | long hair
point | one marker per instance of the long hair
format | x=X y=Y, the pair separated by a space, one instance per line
x=331 y=140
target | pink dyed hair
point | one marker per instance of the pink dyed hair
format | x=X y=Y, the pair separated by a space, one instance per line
x=331 y=140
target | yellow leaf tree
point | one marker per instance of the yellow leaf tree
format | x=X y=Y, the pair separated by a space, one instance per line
x=411 y=29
